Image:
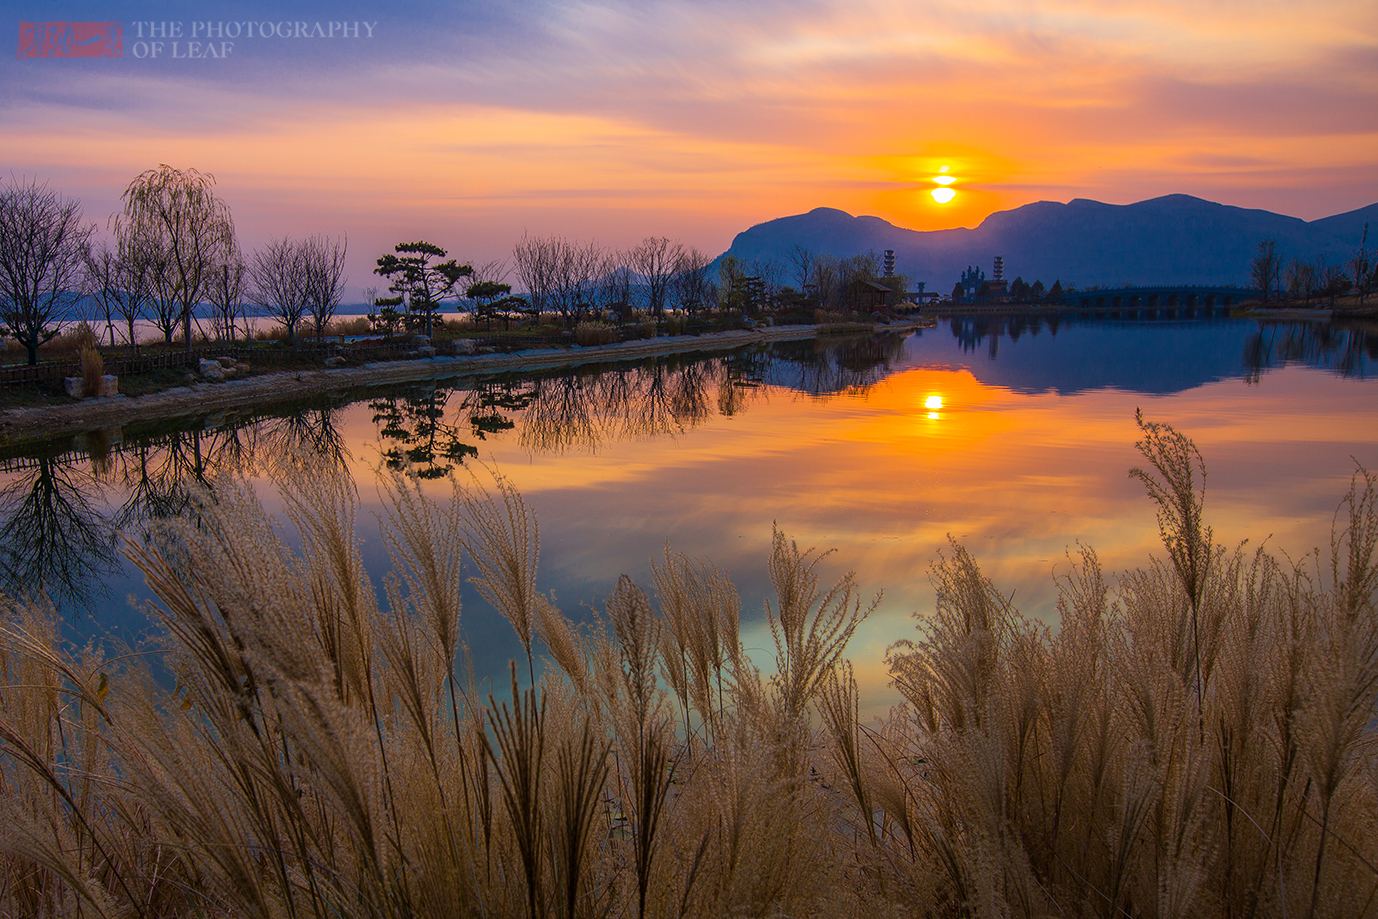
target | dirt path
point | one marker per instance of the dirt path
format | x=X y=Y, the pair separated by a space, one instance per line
x=20 y=425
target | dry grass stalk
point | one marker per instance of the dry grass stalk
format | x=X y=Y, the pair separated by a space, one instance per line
x=318 y=755
x=92 y=371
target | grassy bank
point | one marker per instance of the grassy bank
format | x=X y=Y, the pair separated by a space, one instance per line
x=1195 y=739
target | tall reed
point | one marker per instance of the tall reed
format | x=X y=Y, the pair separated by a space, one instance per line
x=1195 y=739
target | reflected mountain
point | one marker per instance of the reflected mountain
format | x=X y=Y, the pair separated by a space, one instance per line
x=1067 y=355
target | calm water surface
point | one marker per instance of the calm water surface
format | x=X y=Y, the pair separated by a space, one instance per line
x=837 y=444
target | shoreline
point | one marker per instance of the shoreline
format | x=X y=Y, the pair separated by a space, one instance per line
x=35 y=424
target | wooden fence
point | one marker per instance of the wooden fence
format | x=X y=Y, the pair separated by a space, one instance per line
x=260 y=355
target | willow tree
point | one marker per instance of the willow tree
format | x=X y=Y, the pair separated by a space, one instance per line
x=176 y=212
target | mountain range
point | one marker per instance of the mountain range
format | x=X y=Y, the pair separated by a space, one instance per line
x=1175 y=239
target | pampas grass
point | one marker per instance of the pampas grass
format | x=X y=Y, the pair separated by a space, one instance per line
x=1196 y=738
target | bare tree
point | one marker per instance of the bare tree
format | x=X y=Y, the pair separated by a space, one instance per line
x=277 y=282
x=323 y=261
x=1266 y=268
x=576 y=272
x=1361 y=266
x=801 y=261
x=42 y=254
x=1334 y=282
x=771 y=274
x=615 y=282
x=1302 y=279
x=177 y=210
x=655 y=261
x=226 y=292
x=535 y=259
x=691 y=286
x=137 y=267
x=101 y=282
x=824 y=276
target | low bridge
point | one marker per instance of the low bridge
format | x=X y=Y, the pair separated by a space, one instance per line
x=1157 y=299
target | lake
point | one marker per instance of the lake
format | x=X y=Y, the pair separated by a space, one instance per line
x=1010 y=435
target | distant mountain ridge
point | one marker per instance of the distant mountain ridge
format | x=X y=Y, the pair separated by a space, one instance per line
x=1175 y=239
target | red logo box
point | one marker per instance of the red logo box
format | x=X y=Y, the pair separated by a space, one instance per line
x=70 y=39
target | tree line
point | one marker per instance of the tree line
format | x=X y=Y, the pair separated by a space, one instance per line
x=173 y=248
x=1315 y=279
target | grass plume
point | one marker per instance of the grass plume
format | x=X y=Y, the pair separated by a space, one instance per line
x=1196 y=738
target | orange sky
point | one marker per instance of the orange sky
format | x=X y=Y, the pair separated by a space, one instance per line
x=469 y=124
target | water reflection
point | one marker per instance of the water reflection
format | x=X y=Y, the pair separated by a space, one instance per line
x=842 y=446
x=54 y=537
x=63 y=504
x=1345 y=350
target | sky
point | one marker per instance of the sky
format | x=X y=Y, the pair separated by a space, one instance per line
x=470 y=124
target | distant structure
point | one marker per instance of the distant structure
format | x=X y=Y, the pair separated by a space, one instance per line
x=971 y=282
x=889 y=263
x=998 y=290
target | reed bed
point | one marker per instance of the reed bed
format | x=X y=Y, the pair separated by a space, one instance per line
x=1195 y=739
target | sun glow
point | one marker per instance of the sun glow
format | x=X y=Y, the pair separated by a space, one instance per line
x=933 y=403
x=943 y=195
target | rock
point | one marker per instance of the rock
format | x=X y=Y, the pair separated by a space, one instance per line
x=335 y=361
x=425 y=351
x=228 y=372
x=465 y=346
x=189 y=378
x=226 y=362
x=420 y=340
x=109 y=386
x=211 y=370
x=241 y=368
x=412 y=355
x=75 y=387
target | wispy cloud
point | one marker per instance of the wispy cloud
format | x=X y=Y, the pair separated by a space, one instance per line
x=695 y=119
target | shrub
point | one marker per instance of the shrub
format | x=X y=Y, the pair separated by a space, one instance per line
x=595 y=333
x=72 y=340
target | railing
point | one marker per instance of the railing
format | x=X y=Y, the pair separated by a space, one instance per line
x=357 y=352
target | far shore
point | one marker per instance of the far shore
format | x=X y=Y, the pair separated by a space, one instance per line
x=32 y=424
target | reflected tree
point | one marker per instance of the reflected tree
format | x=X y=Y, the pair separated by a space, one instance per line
x=417 y=438
x=54 y=540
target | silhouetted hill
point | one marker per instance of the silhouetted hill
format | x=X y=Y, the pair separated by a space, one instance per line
x=1175 y=239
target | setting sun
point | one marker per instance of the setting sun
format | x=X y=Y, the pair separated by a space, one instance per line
x=933 y=403
x=943 y=195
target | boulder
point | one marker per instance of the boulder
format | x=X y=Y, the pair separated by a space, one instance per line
x=465 y=346
x=226 y=362
x=76 y=387
x=211 y=370
x=335 y=361
x=425 y=351
x=420 y=340
x=241 y=368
